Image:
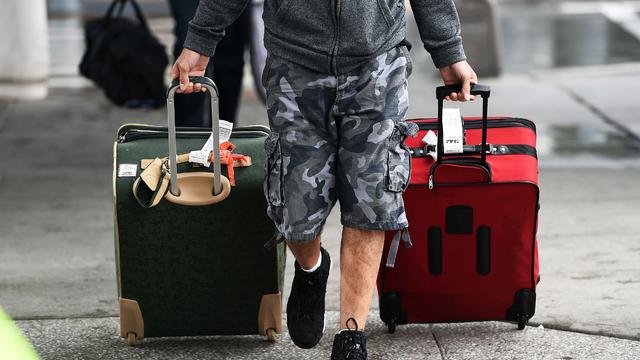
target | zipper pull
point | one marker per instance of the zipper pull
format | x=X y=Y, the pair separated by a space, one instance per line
x=431 y=182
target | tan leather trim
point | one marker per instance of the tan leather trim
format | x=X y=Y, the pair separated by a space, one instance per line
x=158 y=195
x=115 y=214
x=131 y=320
x=196 y=189
x=144 y=163
x=182 y=158
x=163 y=190
x=270 y=314
x=151 y=174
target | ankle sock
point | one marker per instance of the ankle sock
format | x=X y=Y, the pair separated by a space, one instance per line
x=315 y=267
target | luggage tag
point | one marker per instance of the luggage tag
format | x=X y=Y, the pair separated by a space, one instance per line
x=452 y=131
x=200 y=157
x=431 y=142
x=225 y=134
x=127 y=170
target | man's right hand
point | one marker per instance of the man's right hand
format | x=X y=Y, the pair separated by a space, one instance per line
x=189 y=63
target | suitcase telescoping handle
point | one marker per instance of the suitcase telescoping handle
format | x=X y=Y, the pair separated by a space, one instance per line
x=215 y=132
x=476 y=89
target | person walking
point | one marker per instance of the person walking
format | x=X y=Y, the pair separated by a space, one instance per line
x=227 y=68
x=336 y=82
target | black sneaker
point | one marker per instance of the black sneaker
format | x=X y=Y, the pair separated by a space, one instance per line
x=305 y=309
x=349 y=344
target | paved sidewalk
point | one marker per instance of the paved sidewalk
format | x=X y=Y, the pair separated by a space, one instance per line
x=57 y=267
x=97 y=339
x=56 y=244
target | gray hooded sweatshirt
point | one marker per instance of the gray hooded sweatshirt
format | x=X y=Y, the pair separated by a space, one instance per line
x=334 y=36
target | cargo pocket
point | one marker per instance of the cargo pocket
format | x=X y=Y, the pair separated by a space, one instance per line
x=273 y=184
x=399 y=157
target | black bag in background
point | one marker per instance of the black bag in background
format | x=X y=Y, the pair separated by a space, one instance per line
x=125 y=59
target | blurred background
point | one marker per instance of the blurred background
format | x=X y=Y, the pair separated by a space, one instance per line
x=570 y=66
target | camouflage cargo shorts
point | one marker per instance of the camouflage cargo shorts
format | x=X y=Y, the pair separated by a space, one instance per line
x=337 y=138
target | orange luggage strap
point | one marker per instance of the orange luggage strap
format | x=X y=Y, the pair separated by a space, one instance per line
x=231 y=160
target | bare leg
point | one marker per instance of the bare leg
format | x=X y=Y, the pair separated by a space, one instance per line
x=360 y=254
x=306 y=253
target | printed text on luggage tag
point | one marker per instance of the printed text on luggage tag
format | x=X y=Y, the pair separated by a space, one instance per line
x=225 y=134
x=452 y=131
x=127 y=170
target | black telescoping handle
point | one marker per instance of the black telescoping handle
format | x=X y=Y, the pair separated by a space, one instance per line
x=476 y=89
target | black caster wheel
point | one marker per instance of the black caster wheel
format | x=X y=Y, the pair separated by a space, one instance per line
x=391 y=325
x=522 y=321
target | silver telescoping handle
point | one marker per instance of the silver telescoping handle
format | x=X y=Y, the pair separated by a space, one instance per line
x=215 y=132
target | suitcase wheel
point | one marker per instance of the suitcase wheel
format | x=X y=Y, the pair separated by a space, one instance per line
x=391 y=312
x=391 y=325
x=131 y=339
x=271 y=335
x=522 y=321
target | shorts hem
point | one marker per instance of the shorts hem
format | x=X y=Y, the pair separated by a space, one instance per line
x=301 y=237
x=380 y=225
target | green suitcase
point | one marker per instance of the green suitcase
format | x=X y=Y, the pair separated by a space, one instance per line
x=192 y=270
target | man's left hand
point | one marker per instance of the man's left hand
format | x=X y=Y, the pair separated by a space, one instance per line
x=460 y=72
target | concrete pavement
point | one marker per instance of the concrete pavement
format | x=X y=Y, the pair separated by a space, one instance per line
x=97 y=339
x=57 y=272
x=56 y=247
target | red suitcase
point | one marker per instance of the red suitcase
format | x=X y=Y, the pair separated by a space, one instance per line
x=473 y=222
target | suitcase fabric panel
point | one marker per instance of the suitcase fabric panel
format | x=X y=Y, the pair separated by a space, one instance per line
x=459 y=292
x=193 y=270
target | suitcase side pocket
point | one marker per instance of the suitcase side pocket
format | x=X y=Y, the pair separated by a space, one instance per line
x=459 y=171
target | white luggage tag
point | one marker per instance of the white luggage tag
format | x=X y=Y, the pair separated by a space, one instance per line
x=452 y=131
x=127 y=170
x=200 y=157
x=431 y=139
x=225 y=134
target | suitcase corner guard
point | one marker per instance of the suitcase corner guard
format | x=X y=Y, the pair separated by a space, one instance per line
x=270 y=315
x=131 y=321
